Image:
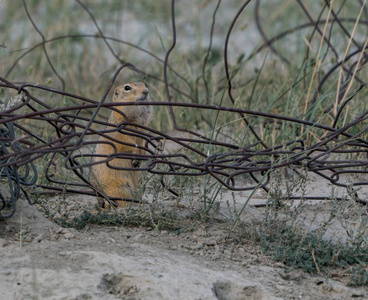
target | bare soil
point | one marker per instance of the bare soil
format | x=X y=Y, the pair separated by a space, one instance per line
x=41 y=260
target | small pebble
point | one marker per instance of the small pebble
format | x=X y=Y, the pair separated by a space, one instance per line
x=279 y=265
x=280 y=287
x=59 y=230
x=195 y=247
x=39 y=238
x=138 y=236
x=67 y=234
x=209 y=242
x=126 y=235
x=200 y=232
x=28 y=239
x=245 y=263
x=54 y=237
x=241 y=250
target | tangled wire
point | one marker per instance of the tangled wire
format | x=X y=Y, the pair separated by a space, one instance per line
x=72 y=129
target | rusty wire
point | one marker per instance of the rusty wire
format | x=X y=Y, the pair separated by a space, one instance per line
x=74 y=126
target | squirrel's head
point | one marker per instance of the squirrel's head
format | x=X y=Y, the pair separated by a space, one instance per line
x=131 y=92
x=134 y=92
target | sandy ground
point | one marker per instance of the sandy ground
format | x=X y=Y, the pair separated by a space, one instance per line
x=41 y=260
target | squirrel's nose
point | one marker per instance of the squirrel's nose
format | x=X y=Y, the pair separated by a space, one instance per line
x=145 y=91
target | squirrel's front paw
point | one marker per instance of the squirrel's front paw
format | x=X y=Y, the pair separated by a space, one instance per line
x=136 y=163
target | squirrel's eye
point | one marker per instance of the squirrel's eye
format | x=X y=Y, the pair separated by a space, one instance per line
x=127 y=88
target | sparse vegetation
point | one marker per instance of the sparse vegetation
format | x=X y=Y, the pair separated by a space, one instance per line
x=298 y=248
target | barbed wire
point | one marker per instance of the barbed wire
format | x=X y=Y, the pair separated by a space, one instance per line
x=73 y=133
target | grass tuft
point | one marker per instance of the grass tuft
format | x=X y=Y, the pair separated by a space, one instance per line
x=311 y=253
x=130 y=219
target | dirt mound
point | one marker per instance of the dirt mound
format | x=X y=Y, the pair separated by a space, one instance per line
x=42 y=260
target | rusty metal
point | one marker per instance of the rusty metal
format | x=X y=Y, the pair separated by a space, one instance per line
x=74 y=135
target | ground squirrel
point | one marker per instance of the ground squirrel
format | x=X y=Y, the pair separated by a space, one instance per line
x=122 y=183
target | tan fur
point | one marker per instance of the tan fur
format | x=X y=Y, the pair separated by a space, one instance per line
x=121 y=183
